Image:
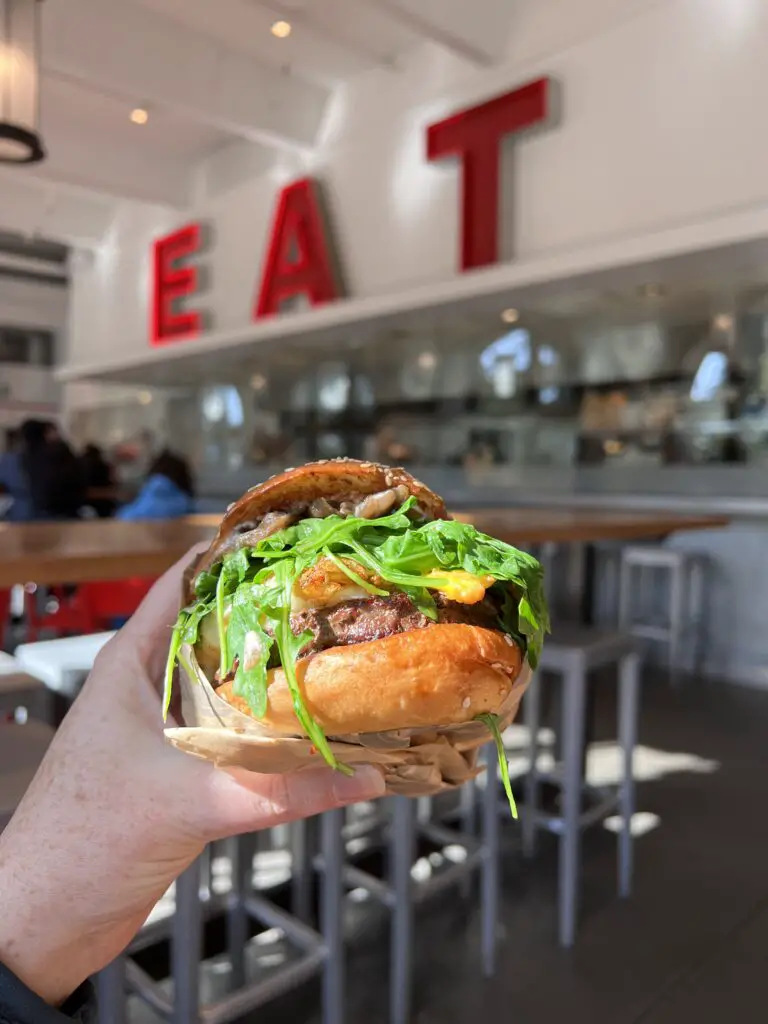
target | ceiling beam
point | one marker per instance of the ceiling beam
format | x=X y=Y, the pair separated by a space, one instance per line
x=428 y=29
x=33 y=206
x=79 y=157
x=128 y=49
x=314 y=23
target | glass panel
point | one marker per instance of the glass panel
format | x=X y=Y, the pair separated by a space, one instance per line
x=548 y=392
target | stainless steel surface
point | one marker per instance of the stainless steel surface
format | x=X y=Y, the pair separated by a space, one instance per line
x=573 y=724
x=491 y=867
x=187 y=946
x=332 y=915
x=402 y=854
x=629 y=705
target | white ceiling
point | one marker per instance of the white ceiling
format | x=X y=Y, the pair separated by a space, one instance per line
x=210 y=74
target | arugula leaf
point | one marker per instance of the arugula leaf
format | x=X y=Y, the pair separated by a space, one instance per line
x=223 y=646
x=184 y=632
x=363 y=584
x=170 y=665
x=492 y=721
x=289 y=646
x=423 y=600
x=247 y=637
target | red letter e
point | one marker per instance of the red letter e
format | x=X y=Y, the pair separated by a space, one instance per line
x=170 y=283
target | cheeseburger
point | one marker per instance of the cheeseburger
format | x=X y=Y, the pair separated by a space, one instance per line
x=339 y=600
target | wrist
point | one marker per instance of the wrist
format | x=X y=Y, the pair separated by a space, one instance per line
x=40 y=942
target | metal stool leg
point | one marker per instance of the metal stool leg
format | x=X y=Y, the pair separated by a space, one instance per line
x=187 y=946
x=574 y=690
x=402 y=845
x=241 y=852
x=490 y=880
x=625 y=595
x=468 y=808
x=629 y=693
x=676 y=621
x=110 y=993
x=696 y=612
x=301 y=836
x=332 y=915
x=532 y=720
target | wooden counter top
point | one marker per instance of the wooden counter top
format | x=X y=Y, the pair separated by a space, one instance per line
x=95 y=549
x=583 y=525
x=102 y=549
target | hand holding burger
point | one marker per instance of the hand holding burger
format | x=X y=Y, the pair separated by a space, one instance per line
x=115 y=814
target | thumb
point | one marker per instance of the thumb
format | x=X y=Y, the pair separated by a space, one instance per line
x=240 y=801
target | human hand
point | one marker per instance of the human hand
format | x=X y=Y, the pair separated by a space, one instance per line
x=115 y=813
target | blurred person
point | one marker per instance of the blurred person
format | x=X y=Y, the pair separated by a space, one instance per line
x=53 y=472
x=13 y=479
x=114 y=814
x=167 y=492
x=99 y=476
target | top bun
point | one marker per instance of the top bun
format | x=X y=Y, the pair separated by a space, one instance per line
x=335 y=480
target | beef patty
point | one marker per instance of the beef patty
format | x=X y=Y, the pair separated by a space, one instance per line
x=354 y=622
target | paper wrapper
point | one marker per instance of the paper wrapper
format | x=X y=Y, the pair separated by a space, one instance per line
x=415 y=762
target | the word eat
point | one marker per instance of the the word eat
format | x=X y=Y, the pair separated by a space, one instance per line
x=298 y=259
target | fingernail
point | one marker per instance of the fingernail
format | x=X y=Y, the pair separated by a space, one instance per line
x=366 y=784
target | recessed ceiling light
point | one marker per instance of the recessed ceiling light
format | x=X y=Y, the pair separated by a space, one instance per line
x=139 y=115
x=427 y=360
x=145 y=397
x=281 y=29
x=510 y=316
x=723 y=322
x=258 y=382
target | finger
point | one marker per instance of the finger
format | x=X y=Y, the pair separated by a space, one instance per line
x=242 y=801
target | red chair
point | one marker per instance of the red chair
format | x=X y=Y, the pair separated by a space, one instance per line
x=5 y=614
x=88 y=608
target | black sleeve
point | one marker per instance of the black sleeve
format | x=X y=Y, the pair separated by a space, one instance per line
x=19 y=1005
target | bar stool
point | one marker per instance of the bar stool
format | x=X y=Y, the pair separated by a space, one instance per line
x=681 y=629
x=22 y=696
x=400 y=894
x=321 y=952
x=572 y=653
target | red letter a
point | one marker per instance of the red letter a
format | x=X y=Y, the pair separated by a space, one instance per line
x=297 y=261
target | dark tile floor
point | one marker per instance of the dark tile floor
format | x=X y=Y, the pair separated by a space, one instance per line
x=692 y=943
x=690 y=946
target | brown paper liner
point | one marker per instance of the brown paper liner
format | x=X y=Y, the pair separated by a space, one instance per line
x=415 y=762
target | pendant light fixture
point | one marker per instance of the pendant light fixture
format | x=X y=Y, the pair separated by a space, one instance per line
x=20 y=141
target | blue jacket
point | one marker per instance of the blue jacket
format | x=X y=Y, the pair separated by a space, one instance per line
x=14 y=479
x=159 y=498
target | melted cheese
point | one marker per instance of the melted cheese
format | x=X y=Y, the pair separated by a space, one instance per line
x=461 y=586
x=301 y=603
x=324 y=585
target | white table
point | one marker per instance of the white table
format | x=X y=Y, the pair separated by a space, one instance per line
x=62 y=664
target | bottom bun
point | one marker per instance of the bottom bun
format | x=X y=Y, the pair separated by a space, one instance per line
x=439 y=676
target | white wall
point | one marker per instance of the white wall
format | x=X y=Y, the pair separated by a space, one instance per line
x=663 y=106
x=30 y=390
